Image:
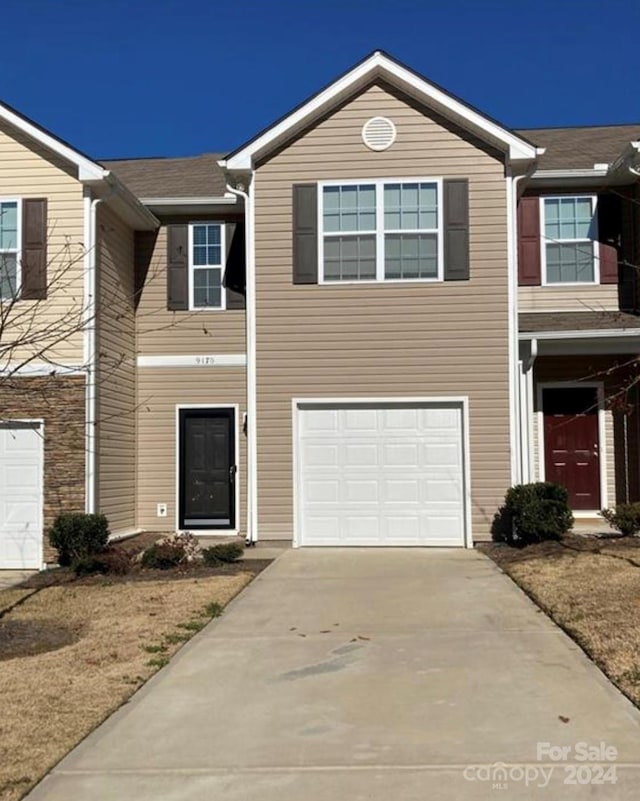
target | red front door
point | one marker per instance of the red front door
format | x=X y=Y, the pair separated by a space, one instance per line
x=571 y=446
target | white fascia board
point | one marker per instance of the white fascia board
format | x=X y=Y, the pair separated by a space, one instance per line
x=518 y=149
x=586 y=173
x=87 y=169
x=218 y=200
x=603 y=333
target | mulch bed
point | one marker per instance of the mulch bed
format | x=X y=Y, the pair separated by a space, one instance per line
x=133 y=546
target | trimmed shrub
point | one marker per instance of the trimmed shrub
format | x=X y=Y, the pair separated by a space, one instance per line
x=113 y=560
x=171 y=551
x=625 y=518
x=76 y=535
x=163 y=556
x=533 y=513
x=224 y=552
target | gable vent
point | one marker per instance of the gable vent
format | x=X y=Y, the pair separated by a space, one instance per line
x=378 y=133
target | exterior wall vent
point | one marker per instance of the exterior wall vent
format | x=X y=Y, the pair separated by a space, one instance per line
x=378 y=133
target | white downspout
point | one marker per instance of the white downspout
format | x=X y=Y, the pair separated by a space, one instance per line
x=90 y=352
x=250 y=321
x=515 y=402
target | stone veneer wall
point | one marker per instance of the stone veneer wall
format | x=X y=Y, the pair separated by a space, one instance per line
x=60 y=402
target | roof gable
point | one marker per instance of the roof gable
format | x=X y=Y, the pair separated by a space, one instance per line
x=376 y=66
x=88 y=170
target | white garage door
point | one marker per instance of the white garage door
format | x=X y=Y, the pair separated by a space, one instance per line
x=380 y=474
x=20 y=495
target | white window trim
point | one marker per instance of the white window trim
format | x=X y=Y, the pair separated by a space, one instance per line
x=18 y=250
x=594 y=241
x=222 y=266
x=379 y=233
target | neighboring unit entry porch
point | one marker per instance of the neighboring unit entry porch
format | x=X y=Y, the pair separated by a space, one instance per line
x=578 y=416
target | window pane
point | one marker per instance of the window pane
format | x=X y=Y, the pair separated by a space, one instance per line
x=410 y=206
x=410 y=256
x=207 y=244
x=8 y=226
x=8 y=275
x=349 y=258
x=569 y=263
x=207 y=288
x=199 y=254
x=349 y=208
x=568 y=218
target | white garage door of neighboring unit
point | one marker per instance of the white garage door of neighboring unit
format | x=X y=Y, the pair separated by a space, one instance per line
x=380 y=474
x=20 y=495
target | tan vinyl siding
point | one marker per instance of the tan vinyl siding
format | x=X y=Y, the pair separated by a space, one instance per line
x=599 y=297
x=592 y=369
x=28 y=170
x=116 y=378
x=404 y=339
x=160 y=390
x=162 y=332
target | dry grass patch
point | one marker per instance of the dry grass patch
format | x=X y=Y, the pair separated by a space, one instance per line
x=123 y=633
x=592 y=590
x=12 y=596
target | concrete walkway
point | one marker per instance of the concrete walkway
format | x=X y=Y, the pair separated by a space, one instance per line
x=9 y=578
x=363 y=674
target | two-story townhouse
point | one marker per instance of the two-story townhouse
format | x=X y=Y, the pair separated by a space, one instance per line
x=360 y=327
x=578 y=269
x=66 y=338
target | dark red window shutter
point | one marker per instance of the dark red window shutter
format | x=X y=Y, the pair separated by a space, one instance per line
x=34 y=249
x=529 y=273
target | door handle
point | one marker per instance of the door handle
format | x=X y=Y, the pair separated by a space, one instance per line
x=232 y=471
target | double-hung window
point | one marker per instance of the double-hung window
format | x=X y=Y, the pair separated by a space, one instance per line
x=206 y=264
x=381 y=231
x=9 y=248
x=569 y=241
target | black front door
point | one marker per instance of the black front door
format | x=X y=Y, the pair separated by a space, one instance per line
x=207 y=468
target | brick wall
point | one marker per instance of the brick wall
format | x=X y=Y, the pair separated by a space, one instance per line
x=60 y=402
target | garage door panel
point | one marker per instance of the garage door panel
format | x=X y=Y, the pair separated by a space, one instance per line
x=360 y=491
x=402 y=490
x=358 y=455
x=381 y=475
x=360 y=420
x=20 y=496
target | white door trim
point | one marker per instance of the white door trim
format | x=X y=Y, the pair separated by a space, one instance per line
x=461 y=400
x=39 y=423
x=602 y=444
x=220 y=532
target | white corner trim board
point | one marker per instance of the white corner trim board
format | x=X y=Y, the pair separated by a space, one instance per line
x=195 y=360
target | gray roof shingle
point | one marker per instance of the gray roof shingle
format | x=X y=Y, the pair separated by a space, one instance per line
x=534 y=322
x=200 y=176
x=195 y=176
x=580 y=148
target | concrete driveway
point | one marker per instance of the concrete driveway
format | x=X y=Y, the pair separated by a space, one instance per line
x=364 y=674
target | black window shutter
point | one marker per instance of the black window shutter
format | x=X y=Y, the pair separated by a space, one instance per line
x=609 y=213
x=456 y=229
x=177 y=267
x=34 y=249
x=305 y=234
x=235 y=268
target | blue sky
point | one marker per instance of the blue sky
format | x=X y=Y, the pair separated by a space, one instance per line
x=122 y=78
